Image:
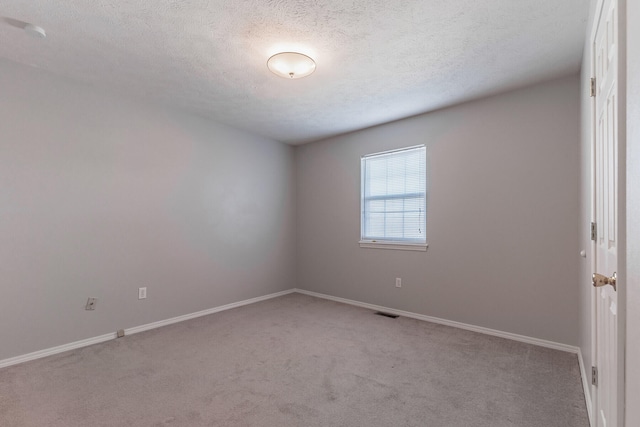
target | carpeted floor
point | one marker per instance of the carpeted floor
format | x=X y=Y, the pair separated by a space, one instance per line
x=298 y=361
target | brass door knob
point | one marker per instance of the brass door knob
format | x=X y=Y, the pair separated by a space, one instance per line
x=600 y=280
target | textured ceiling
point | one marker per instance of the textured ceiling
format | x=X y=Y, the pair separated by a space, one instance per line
x=377 y=60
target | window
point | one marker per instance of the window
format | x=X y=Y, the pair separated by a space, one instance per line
x=394 y=199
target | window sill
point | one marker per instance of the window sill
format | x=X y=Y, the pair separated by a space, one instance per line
x=400 y=246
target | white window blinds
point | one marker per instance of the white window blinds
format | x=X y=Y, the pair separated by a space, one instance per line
x=394 y=196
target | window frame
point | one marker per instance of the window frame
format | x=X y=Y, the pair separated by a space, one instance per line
x=389 y=243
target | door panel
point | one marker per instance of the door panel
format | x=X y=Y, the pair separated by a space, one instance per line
x=605 y=46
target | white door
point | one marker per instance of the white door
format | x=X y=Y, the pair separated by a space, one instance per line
x=605 y=54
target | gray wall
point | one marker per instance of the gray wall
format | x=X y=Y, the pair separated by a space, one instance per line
x=99 y=196
x=502 y=215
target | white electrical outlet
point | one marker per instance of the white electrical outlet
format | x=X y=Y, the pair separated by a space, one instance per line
x=398 y=282
x=142 y=293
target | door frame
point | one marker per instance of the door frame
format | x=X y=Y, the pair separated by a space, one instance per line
x=622 y=208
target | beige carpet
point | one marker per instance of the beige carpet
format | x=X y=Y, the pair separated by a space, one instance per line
x=298 y=361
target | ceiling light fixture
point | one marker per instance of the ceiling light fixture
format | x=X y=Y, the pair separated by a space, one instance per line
x=291 y=65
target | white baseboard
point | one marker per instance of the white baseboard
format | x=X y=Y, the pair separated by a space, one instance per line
x=480 y=329
x=159 y=324
x=586 y=386
x=55 y=350
x=106 y=337
x=136 y=329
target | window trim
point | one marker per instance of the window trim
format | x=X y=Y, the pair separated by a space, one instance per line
x=390 y=244
x=387 y=244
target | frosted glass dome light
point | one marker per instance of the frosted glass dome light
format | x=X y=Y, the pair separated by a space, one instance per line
x=291 y=65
